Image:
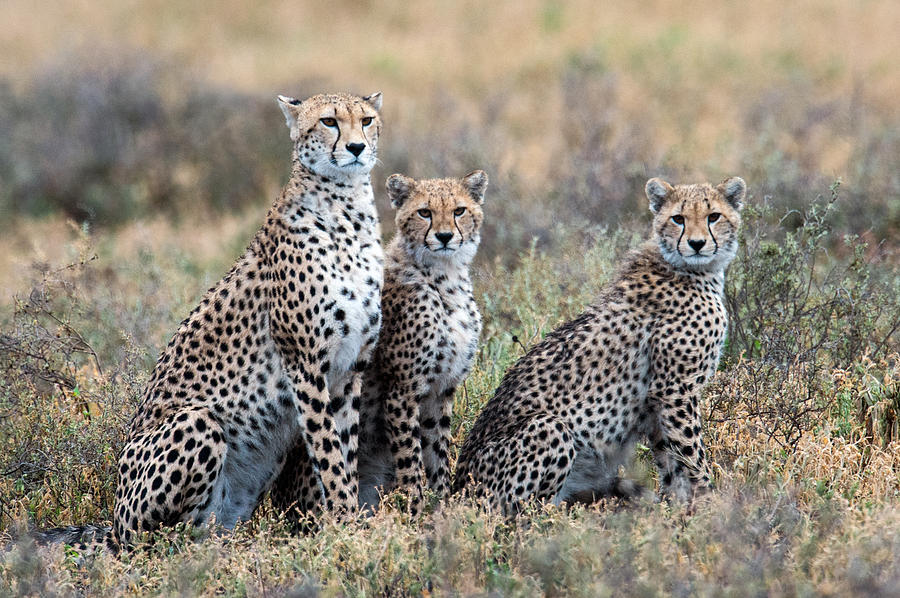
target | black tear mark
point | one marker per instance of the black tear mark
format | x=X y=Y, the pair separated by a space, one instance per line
x=428 y=230
x=456 y=225
x=709 y=228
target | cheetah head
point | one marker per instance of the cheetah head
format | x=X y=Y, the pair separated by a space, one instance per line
x=697 y=225
x=334 y=135
x=439 y=218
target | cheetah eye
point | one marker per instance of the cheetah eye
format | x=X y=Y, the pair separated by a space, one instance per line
x=366 y=121
x=713 y=217
x=424 y=213
x=459 y=211
x=678 y=219
x=329 y=122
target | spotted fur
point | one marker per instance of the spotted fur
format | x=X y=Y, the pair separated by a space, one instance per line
x=429 y=336
x=261 y=382
x=567 y=414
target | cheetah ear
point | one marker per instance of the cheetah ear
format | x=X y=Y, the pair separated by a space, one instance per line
x=657 y=191
x=476 y=183
x=374 y=100
x=399 y=188
x=734 y=190
x=289 y=106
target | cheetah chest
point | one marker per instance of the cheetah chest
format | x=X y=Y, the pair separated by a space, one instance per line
x=351 y=310
x=356 y=312
x=457 y=330
x=717 y=331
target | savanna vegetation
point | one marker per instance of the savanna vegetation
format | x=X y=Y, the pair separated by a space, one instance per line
x=140 y=145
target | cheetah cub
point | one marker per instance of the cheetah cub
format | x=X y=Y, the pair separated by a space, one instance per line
x=429 y=335
x=259 y=388
x=567 y=414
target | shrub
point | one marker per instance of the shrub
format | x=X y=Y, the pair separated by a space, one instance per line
x=63 y=418
x=126 y=136
x=801 y=306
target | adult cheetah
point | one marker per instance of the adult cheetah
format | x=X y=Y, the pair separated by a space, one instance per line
x=272 y=358
x=567 y=414
x=429 y=335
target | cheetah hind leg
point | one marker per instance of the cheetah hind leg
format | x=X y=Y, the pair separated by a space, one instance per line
x=167 y=475
x=532 y=461
x=172 y=474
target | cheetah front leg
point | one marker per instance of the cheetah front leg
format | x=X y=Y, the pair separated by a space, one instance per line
x=348 y=422
x=298 y=489
x=323 y=440
x=677 y=443
x=436 y=416
x=404 y=433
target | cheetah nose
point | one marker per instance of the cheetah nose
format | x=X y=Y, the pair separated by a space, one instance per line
x=356 y=148
x=697 y=244
x=444 y=237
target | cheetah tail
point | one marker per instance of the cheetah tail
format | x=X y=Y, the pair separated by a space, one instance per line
x=79 y=536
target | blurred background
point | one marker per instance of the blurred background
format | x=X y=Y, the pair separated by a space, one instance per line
x=154 y=111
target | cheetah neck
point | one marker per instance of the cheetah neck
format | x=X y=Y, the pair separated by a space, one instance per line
x=310 y=190
x=429 y=268
x=712 y=279
x=649 y=254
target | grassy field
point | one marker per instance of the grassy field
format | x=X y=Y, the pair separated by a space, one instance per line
x=140 y=145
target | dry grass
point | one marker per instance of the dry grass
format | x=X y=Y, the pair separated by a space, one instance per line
x=739 y=543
